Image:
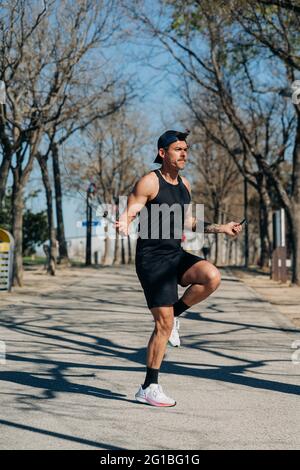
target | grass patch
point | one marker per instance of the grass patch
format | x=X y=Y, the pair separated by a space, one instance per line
x=30 y=261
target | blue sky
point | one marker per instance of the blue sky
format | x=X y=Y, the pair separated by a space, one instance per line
x=157 y=101
x=156 y=77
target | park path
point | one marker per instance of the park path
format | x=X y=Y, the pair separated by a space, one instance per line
x=75 y=355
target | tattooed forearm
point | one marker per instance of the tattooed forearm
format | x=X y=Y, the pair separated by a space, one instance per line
x=208 y=227
x=212 y=228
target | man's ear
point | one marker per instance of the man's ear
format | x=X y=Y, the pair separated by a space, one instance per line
x=161 y=153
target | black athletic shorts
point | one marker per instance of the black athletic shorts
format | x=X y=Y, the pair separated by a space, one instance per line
x=160 y=274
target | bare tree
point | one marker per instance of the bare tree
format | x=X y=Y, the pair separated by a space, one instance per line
x=15 y=38
x=275 y=26
x=216 y=179
x=267 y=133
x=221 y=70
x=44 y=53
x=51 y=262
x=115 y=149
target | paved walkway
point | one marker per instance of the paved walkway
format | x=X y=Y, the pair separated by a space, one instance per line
x=76 y=354
x=284 y=296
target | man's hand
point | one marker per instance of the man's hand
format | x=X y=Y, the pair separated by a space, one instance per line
x=122 y=226
x=232 y=229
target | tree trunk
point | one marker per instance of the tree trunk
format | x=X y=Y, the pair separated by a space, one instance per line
x=229 y=252
x=265 y=223
x=51 y=231
x=63 y=250
x=295 y=239
x=106 y=245
x=20 y=178
x=4 y=170
x=129 y=250
x=267 y=203
x=88 y=248
x=216 y=236
x=246 y=229
x=296 y=202
x=123 y=260
x=216 y=248
x=116 y=259
x=17 y=229
x=264 y=250
x=222 y=241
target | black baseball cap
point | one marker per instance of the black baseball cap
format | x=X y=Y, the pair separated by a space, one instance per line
x=168 y=138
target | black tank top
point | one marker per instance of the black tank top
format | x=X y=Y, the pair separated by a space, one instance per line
x=159 y=226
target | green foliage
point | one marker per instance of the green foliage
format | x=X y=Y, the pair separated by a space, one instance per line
x=35 y=225
x=6 y=214
x=33 y=260
x=35 y=230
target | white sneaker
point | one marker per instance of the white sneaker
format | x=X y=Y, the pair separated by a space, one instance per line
x=174 y=339
x=154 y=395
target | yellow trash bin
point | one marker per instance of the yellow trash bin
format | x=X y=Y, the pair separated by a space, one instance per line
x=6 y=260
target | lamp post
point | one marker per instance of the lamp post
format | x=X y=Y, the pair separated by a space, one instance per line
x=88 y=252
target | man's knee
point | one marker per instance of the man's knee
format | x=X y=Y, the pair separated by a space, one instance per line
x=213 y=279
x=164 y=324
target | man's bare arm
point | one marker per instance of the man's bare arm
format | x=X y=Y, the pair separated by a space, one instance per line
x=190 y=222
x=208 y=227
x=213 y=228
x=135 y=202
x=231 y=228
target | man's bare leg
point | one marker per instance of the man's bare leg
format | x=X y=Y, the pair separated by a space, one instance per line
x=163 y=317
x=151 y=392
x=204 y=278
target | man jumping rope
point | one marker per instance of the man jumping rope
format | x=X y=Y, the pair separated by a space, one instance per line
x=161 y=263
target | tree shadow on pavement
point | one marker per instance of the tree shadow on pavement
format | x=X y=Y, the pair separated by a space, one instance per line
x=55 y=376
x=53 y=326
x=57 y=435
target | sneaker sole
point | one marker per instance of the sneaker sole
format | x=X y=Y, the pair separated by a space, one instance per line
x=154 y=403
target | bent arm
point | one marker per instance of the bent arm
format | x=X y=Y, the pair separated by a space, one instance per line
x=231 y=228
x=135 y=202
x=208 y=227
x=190 y=222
